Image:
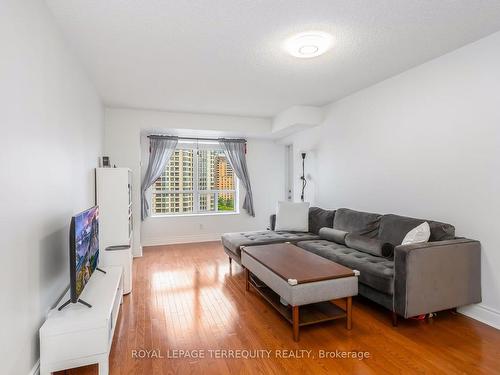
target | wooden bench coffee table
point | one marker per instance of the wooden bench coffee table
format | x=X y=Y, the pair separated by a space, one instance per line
x=307 y=282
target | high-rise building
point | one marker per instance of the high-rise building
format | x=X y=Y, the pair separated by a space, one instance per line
x=178 y=176
x=224 y=180
x=206 y=179
x=192 y=182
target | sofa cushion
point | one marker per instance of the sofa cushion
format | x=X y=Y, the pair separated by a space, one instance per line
x=364 y=223
x=320 y=218
x=393 y=229
x=324 y=248
x=419 y=234
x=234 y=241
x=372 y=246
x=334 y=235
x=376 y=272
x=292 y=216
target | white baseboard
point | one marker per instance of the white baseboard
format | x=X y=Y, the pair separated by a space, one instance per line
x=484 y=314
x=183 y=239
x=36 y=368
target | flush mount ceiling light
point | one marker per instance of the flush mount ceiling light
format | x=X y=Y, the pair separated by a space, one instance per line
x=309 y=44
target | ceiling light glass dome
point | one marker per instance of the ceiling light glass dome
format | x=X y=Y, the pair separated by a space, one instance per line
x=309 y=44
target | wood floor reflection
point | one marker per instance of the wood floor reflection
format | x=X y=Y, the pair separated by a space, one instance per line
x=185 y=297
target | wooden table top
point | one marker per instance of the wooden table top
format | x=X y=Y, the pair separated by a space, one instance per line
x=291 y=262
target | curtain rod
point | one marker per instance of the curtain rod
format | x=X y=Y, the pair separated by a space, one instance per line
x=240 y=140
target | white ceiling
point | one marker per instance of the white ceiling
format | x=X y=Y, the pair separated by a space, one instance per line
x=226 y=56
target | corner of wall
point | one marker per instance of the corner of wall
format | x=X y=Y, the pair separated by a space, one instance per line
x=482 y=313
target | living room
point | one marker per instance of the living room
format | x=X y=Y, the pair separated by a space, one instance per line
x=251 y=187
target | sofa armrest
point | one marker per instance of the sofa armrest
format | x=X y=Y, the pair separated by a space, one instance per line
x=272 y=222
x=435 y=276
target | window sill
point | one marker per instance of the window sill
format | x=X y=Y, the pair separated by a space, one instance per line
x=192 y=215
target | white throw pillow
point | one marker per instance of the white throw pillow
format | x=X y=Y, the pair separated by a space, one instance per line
x=418 y=234
x=292 y=216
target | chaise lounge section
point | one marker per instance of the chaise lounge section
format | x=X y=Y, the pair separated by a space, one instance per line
x=421 y=278
x=232 y=242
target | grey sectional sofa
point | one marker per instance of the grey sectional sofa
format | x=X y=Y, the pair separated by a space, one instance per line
x=441 y=274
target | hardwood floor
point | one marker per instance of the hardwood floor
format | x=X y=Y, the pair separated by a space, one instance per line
x=186 y=297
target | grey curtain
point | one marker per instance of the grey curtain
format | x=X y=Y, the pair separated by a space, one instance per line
x=235 y=153
x=160 y=151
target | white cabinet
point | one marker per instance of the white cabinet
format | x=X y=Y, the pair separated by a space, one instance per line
x=78 y=335
x=114 y=197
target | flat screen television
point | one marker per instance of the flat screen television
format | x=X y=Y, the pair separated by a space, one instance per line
x=84 y=250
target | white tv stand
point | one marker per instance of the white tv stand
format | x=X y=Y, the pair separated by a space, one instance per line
x=77 y=335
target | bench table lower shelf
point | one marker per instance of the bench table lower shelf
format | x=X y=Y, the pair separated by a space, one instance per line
x=303 y=315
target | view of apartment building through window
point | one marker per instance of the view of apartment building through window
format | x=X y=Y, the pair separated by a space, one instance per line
x=195 y=181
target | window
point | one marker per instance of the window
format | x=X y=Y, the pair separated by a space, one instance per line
x=197 y=180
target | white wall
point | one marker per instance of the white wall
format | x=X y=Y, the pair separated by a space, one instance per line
x=425 y=143
x=123 y=131
x=51 y=136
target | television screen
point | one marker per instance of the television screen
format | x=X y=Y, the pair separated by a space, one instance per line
x=84 y=249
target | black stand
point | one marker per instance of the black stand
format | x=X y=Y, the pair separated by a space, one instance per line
x=303 y=177
x=80 y=300
x=69 y=301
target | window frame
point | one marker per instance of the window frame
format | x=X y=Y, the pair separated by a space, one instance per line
x=199 y=146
